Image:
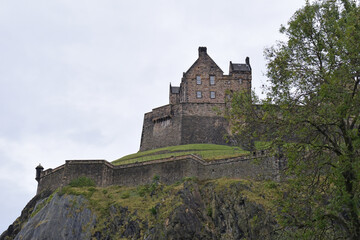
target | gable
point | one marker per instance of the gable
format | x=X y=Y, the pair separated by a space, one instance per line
x=204 y=63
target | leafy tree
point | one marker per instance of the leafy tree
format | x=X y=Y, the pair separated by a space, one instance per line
x=312 y=114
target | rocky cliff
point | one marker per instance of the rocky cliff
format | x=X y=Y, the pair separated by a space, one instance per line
x=217 y=209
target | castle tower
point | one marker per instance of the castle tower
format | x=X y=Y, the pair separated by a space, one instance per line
x=190 y=117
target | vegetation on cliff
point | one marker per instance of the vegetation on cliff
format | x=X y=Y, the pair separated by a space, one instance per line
x=311 y=115
x=190 y=209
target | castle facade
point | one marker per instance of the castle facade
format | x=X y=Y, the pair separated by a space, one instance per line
x=192 y=113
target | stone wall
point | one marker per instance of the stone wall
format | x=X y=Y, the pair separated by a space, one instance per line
x=51 y=179
x=170 y=170
x=161 y=127
x=184 y=123
x=205 y=77
x=190 y=116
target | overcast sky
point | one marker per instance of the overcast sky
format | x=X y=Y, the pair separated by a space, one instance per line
x=76 y=77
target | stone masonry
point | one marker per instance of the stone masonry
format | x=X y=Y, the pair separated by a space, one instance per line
x=191 y=116
x=257 y=165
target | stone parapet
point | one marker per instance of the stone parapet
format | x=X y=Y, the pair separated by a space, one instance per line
x=170 y=170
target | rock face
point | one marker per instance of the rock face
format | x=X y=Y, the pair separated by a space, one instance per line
x=63 y=217
x=223 y=214
x=190 y=210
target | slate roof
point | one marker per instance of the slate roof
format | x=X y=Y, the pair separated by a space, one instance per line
x=240 y=67
x=175 y=89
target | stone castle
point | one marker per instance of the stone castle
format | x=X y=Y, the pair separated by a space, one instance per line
x=190 y=116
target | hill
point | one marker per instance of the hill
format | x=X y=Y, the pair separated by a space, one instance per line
x=207 y=152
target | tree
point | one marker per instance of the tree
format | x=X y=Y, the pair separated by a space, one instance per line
x=312 y=113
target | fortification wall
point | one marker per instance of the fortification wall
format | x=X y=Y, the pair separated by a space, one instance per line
x=162 y=127
x=51 y=179
x=170 y=170
x=202 y=124
x=100 y=171
x=184 y=123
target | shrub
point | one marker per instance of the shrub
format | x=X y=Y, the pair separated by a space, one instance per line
x=153 y=211
x=142 y=190
x=156 y=178
x=270 y=184
x=82 y=182
x=189 y=179
x=125 y=195
x=209 y=211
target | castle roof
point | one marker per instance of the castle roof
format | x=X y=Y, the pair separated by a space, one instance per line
x=240 y=67
x=175 y=89
x=203 y=56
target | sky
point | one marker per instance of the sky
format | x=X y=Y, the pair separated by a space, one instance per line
x=76 y=77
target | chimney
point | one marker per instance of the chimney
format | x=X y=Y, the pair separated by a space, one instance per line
x=202 y=51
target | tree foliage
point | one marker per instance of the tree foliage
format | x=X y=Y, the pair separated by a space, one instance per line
x=312 y=113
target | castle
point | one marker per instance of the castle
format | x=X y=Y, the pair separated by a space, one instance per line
x=190 y=116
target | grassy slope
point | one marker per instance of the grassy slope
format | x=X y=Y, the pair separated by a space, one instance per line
x=205 y=151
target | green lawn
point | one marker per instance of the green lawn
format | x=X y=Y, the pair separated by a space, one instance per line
x=206 y=151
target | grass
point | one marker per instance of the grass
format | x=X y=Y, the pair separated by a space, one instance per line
x=154 y=203
x=142 y=202
x=82 y=182
x=207 y=152
x=261 y=192
x=261 y=145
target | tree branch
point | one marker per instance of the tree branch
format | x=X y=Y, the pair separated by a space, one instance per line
x=335 y=148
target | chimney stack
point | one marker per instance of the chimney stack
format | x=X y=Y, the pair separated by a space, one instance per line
x=247 y=61
x=202 y=51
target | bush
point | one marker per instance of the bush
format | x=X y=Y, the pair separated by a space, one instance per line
x=82 y=182
x=153 y=211
x=156 y=178
x=125 y=195
x=189 y=179
x=271 y=185
x=142 y=190
x=209 y=211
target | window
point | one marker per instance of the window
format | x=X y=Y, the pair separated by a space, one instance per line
x=212 y=94
x=212 y=80
x=198 y=94
x=198 y=80
x=240 y=81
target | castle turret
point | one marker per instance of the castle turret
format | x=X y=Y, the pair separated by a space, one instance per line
x=174 y=95
x=39 y=170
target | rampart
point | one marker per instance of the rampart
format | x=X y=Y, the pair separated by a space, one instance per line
x=170 y=170
x=184 y=123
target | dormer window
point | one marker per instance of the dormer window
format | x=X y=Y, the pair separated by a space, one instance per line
x=198 y=80
x=212 y=80
x=198 y=94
